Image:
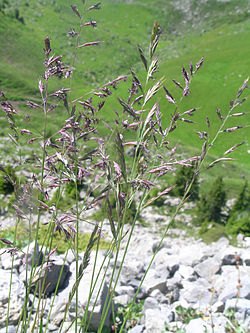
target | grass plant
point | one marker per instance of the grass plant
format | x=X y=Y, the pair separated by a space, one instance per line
x=124 y=162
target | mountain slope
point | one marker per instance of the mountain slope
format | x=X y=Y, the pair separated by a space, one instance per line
x=191 y=29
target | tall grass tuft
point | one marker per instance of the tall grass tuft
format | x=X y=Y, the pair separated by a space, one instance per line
x=125 y=163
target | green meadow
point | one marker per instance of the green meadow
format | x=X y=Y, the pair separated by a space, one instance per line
x=218 y=31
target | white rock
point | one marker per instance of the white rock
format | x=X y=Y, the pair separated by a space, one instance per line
x=245 y=256
x=197 y=292
x=222 y=242
x=198 y=325
x=208 y=268
x=132 y=269
x=226 y=283
x=16 y=299
x=136 y=329
x=6 y=261
x=218 y=307
x=191 y=255
x=186 y=271
x=122 y=299
x=125 y=290
x=153 y=282
x=171 y=261
x=150 y=303
x=159 y=296
x=154 y=321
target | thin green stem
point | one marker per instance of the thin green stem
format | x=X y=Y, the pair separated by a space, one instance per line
x=111 y=293
x=11 y=275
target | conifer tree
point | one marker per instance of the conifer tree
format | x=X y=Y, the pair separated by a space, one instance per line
x=242 y=202
x=210 y=206
x=239 y=219
x=183 y=175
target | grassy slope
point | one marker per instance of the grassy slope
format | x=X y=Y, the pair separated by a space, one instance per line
x=121 y=26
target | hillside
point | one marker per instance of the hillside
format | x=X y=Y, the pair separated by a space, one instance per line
x=217 y=30
x=121 y=25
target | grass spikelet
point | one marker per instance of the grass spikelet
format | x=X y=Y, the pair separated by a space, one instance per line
x=222 y=159
x=239 y=114
x=242 y=88
x=120 y=151
x=153 y=68
x=219 y=114
x=169 y=96
x=154 y=38
x=89 y=44
x=75 y=10
x=151 y=92
x=234 y=147
x=232 y=129
x=127 y=108
x=199 y=64
x=177 y=84
x=97 y=6
x=143 y=58
x=166 y=191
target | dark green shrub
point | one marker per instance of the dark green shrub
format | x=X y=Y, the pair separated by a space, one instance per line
x=61 y=202
x=65 y=198
x=239 y=218
x=239 y=223
x=210 y=206
x=202 y=211
x=152 y=194
x=10 y=203
x=17 y=16
x=131 y=211
x=7 y=180
x=242 y=202
x=70 y=190
x=183 y=175
x=3 y=4
x=103 y=212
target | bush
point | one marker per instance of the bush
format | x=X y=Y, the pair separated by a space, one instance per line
x=70 y=189
x=209 y=208
x=103 y=212
x=61 y=203
x=239 y=223
x=242 y=202
x=7 y=180
x=239 y=218
x=3 y=4
x=134 y=314
x=154 y=193
x=184 y=175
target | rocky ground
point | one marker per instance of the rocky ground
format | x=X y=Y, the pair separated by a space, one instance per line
x=186 y=274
